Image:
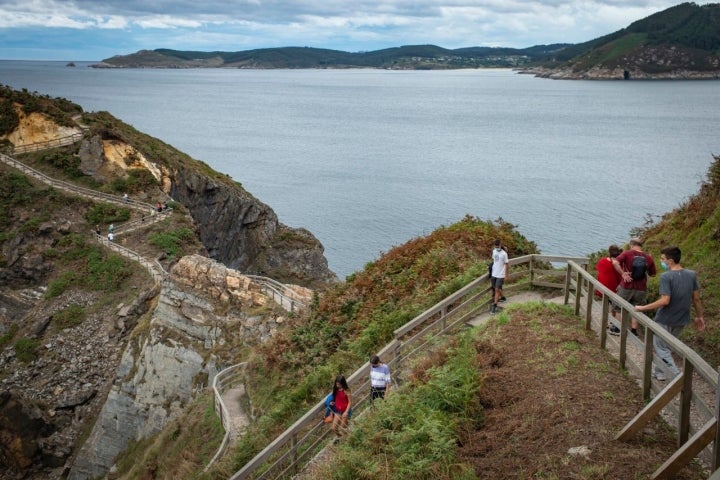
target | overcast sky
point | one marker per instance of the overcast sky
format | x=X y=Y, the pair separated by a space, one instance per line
x=97 y=29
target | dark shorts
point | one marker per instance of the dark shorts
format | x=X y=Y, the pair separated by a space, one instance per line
x=633 y=297
x=377 y=392
x=497 y=282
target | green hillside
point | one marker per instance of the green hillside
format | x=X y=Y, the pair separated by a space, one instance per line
x=695 y=227
x=683 y=37
x=405 y=57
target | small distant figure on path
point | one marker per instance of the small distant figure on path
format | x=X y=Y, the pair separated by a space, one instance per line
x=679 y=288
x=111 y=236
x=379 y=378
x=634 y=267
x=341 y=406
x=159 y=207
x=142 y=218
x=126 y=198
x=97 y=230
x=609 y=277
x=500 y=268
x=111 y=228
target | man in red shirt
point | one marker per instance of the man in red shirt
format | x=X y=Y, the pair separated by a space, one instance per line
x=634 y=266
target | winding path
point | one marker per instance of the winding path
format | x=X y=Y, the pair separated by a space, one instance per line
x=228 y=397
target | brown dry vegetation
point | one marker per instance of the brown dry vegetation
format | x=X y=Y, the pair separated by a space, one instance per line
x=549 y=388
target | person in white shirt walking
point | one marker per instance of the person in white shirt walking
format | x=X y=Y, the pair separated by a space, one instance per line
x=500 y=269
x=379 y=378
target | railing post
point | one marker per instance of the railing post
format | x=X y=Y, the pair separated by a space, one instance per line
x=588 y=306
x=685 y=403
x=716 y=446
x=532 y=270
x=568 y=277
x=578 y=292
x=625 y=322
x=604 y=321
x=647 y=364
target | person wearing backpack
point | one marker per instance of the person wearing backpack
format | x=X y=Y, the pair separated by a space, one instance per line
x=634 y=267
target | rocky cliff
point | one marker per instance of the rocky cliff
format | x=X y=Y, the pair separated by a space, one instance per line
x=201 y=321
x=244 y=233
x=131 y=356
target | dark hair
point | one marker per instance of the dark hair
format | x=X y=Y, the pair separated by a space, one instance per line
x=341 y=380
x=673 y=253
x=614 y=250
x=374 y=360
x=497 y=242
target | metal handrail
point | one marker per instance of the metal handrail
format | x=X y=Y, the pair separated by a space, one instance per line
x=154 y=267
x=223 y=381
x=69 y=187
x=271 y=288
x=47 y=144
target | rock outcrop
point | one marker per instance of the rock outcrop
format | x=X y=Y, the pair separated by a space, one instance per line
x=243 y=233
x=200 y=322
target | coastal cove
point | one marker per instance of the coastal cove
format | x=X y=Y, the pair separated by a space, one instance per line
x=368 y=159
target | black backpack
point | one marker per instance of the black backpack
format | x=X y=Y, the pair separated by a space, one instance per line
x=639 y=267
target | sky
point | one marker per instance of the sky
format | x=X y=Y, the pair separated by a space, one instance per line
x=92 y=30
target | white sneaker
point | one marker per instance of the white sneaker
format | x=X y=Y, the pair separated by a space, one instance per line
x=659 y=376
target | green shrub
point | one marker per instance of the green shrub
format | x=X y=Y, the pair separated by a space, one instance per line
x=7 y=336
x=65 y=160
x=15 y=189
x=106 y=273
x=9 y=119
x=413 y=433
x=70 y=316
x=105 y=213
x=25 y=349
x=59 y=285
x=138 y=180
x=170 y=242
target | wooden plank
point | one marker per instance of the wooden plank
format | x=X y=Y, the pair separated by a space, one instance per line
x=647 y=364
x=686 y=452
x=685 y=403
x=651 y=410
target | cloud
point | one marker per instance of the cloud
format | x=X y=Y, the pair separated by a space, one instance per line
x=344 y=25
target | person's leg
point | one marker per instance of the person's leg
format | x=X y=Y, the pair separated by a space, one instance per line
x=493 y=284
x=336 y=424
x=498 y=291
x=663 y=351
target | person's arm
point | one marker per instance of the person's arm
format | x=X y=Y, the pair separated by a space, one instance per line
x=660 y=302
x=387 y=382
x=619 y=270
x=347 y=410
x=699 y=320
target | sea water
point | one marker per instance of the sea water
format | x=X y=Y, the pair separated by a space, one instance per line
x=368 y=159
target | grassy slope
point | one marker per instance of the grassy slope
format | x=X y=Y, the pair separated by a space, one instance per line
x=352 y=321
x=695 y=227
x=359 y=315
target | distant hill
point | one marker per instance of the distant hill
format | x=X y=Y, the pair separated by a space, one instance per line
x=680 y=42
x=411 y=57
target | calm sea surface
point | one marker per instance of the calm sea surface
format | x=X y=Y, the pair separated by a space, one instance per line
x=368 y=159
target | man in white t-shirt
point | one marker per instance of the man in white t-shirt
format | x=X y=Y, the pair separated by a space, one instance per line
x=379 y=378
x=499 y=273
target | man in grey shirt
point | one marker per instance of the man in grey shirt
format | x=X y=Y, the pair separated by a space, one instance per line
x=679 y=288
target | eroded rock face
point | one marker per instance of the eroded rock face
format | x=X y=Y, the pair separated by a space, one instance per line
x=244 y=233
x=37 y=128
x=198 y=325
